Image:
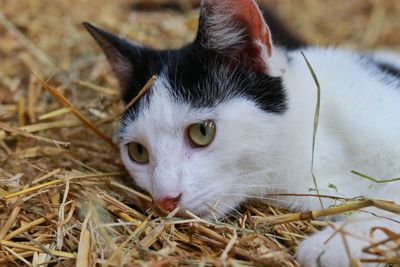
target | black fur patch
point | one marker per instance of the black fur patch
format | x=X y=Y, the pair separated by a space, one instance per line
x=389 y=69
x=203 y=79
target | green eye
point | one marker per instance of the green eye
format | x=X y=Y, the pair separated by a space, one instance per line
x=138 y=153
x=202 y=134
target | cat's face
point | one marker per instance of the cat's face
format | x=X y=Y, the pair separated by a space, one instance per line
x=193 y=141
x=201 y=150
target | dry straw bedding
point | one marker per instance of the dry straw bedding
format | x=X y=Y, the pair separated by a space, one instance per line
x=64 y=196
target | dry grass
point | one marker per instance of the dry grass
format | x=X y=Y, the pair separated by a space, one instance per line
x=62 y=196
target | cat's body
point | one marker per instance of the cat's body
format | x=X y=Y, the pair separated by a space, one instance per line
x=357 y=126
x=262 y=101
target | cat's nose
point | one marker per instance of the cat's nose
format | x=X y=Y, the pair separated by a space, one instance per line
x=169 y=203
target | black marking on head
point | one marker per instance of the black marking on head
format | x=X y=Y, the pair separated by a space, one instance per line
x=391 y=74
x=389 y=69
x=200 y=76
x=203 y=79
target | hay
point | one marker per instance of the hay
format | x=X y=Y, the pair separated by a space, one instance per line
x=63 y=196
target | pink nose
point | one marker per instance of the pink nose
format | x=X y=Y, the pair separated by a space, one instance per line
x=168 y=204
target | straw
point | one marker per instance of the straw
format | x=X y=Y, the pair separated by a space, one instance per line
x=65 y=197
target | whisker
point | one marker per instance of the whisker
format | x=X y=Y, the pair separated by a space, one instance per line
x=260 y=198
x=213 y=210
x=264 y=171
x=286 y=184
x=202 y=193
x=231 y=208
x=310 y=195
x=276 y=186
x=272 y=186
x=267 y=189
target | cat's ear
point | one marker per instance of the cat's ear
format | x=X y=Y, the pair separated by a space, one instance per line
x=236 y=29
x=128 y=60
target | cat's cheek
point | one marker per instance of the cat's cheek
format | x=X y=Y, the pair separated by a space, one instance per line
x=140 y=178
x=188 y=151
x=141 y=173
x=138 y=174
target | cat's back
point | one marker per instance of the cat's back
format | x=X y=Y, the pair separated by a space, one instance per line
x=352 y=83
x=360 y=105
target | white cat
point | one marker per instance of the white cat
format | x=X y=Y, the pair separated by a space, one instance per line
x=231 y=117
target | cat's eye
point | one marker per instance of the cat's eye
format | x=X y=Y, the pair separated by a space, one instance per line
x=202 y=134
x=138 y=152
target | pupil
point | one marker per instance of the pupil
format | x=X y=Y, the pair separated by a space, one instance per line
x=203 y=129
x=139 y=149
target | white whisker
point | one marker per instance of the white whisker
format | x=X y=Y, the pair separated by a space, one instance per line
x=231 y=208
x=276 y=187
x=270 y=186
x=253 y=173
x=261 y=198
x=214 y=211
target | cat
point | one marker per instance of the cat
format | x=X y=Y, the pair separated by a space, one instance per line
x=231 y=117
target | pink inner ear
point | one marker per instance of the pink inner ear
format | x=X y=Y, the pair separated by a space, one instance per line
x=248 y=12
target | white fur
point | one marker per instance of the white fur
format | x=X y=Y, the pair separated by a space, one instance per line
x=256 y=153
x=222 y=32
x=328 y=247
x=358 y=130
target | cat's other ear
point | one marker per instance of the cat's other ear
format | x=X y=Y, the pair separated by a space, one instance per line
x=236 y=29
x=128 y=61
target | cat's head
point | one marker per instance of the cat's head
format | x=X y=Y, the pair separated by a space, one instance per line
x=208 y=124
